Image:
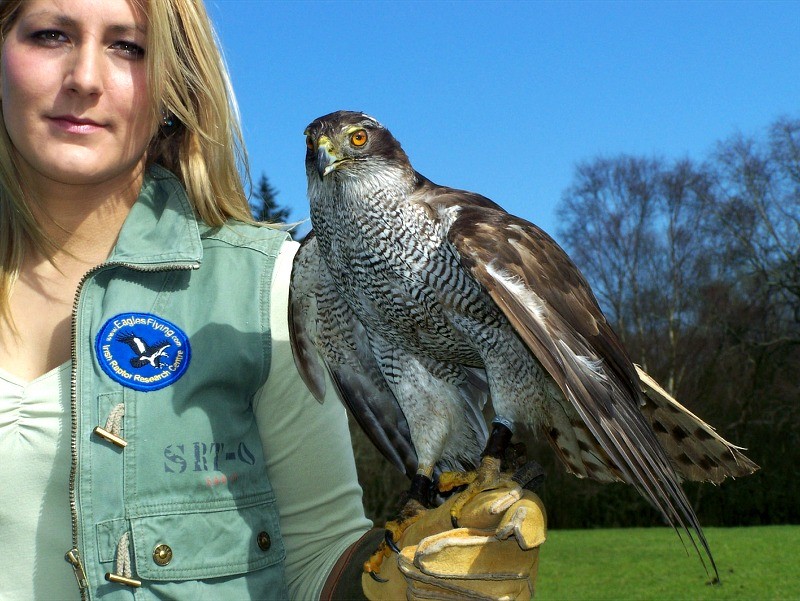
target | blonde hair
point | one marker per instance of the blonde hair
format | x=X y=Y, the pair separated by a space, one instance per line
x=188 y=79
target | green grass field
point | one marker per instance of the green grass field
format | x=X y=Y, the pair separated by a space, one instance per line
x=650 y=563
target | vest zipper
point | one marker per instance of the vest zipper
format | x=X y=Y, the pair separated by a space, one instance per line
x=73 y=555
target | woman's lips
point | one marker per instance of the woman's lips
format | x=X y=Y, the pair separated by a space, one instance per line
x=75 y=125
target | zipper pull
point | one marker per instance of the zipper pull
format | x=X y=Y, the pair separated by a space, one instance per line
x=74 y=558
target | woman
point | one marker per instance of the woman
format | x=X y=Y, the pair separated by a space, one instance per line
x=152 y=424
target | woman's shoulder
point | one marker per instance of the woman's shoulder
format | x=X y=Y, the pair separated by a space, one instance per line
x=258 y=237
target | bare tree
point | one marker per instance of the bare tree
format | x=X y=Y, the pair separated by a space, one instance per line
x=701 y=277
x=758 y=206
x=608 y=213
x=635 y=227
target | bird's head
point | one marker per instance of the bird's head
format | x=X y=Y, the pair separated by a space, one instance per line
x=348 y=144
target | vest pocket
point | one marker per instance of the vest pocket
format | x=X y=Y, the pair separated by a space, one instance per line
x=191 y=543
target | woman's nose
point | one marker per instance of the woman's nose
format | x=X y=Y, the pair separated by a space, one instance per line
x=85 y=75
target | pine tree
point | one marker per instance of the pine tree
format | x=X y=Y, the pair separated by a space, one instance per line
x=263 y=204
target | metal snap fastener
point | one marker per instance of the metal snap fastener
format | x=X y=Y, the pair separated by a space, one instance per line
x=263 y=541
x=162 y=554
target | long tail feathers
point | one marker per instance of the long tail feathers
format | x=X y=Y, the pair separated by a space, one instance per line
x=697 y=452
x=694 y=449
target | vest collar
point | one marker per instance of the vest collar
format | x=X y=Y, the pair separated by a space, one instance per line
x=161 y=226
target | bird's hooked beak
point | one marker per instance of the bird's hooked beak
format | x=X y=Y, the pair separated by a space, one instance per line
x=326 y=157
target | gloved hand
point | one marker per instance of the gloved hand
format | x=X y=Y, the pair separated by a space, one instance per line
x=493 y=555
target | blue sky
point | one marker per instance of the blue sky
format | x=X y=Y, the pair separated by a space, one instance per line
x=504 y=98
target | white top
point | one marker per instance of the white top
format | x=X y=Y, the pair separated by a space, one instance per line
x=35 y=523
x=318 y=498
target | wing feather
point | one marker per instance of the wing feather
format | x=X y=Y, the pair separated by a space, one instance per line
x=303 y=316
x=552 y=308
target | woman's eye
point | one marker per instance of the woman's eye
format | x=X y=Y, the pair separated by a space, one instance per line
x=49 y=37
x=129 y=49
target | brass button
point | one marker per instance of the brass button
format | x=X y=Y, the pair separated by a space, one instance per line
x=162 y=555
x=263 y=541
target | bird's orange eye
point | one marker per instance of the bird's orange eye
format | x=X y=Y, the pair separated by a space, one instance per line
x=358 y=138
x=309 y=143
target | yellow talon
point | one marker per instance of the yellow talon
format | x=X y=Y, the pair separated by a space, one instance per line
x=486 y=477
x=410 y=513
x=373 y=565
x=450 y=480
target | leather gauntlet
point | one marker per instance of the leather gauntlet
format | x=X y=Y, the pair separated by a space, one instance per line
x=493 y=555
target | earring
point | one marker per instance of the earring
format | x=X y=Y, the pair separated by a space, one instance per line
x=167 y=119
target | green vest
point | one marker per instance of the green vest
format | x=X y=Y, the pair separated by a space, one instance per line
x=173 y=331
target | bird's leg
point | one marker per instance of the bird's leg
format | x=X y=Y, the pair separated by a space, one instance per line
x=419 y=498
x=498 y=446
x=487 y=476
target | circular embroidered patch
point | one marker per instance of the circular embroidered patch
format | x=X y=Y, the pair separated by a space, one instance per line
x=142 y=351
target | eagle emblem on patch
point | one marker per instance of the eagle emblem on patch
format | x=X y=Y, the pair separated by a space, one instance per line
x=142 y=351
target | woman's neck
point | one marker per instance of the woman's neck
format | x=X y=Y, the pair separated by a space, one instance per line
x=84 y=221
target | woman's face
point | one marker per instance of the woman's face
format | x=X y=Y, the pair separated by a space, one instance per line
x=74 y=90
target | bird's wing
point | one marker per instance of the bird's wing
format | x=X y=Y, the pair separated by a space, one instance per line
x=327 y=336
x=140 y=345
x=552 y=308
x=133 y=341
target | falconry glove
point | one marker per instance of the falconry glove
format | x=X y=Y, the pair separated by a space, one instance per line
x=494 y=555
